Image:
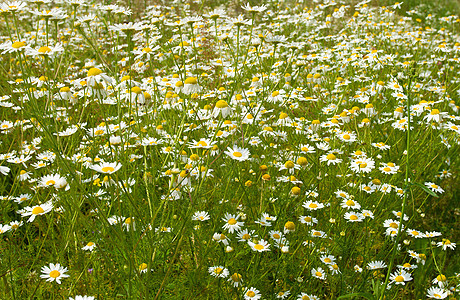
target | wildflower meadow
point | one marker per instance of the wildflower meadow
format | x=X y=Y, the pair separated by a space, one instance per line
x=229 y=149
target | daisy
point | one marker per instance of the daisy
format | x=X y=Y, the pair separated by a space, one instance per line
x=319 y=273
x=246 y=235
x=414 y=233
x=327 y=259
x=78 y=297
x=54 y=273
x=106 y=168
x=305 y=296
x=334 y=268
x=347 y=137
x=89 y=247
x=235 y=279
x=307 y=149
x=260 y=246
x=434 y=187
x=367 y=213
x=330 y=159
x=390 y=223
x=437 y=293
x=252 y=294
x=381 y=146
x=342 y=194
x=318 y=233
x=446 y=244
x=308 y=220
x=191 y=86
x=221 y=108
x=353 y=217
x=275 y=235
x=218 y=271
x=95 y=77
x=237 y=153
x=375 y=265
x=200 y=216
x=36 y=210
x=283 y=294
x=4 y=228
x=435 y=115
x=16 y=224
x=431 y=234
x=53 y=180
x=220 y=238
x=362 y=165
x=400 y=277
x=407 y=266
x=268 y=218
x=441 y=281
x=389 y=168
x=4 y=170
x=350 y=204
x=231 y=223
x=312 y=205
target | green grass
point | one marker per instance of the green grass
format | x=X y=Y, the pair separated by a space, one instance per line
x=120 y=137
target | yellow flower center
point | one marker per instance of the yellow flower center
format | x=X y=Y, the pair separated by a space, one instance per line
x=289 y=164
x=327 y=260
x=44 y=49
x=275 y=93
x=441 y=277
x=218 y=270
x=236 y=277
x=259 y=246
x=289 y=225
x=55 y=274
x=90 y=244
x=434 y=112
x=276 y=236
x=136 y=90
x=107 y=169
x=191 y=80
x=307 y=219
x=142 y=266
x=331 y=156
x=350 y=203
x=363 y=165
x=246 y=236
x=17 y=45
x=237 y=154
x=318 y=274
x=313 y=205
x=346 y=137
x=250 y=294
x=50 y=182
x=94 y=72
x=353 y=217
x=232 y=221
x=221 y=104
x=399 y=278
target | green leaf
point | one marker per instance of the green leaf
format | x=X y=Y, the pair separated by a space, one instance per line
x=425 y=189
x=368 y=296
